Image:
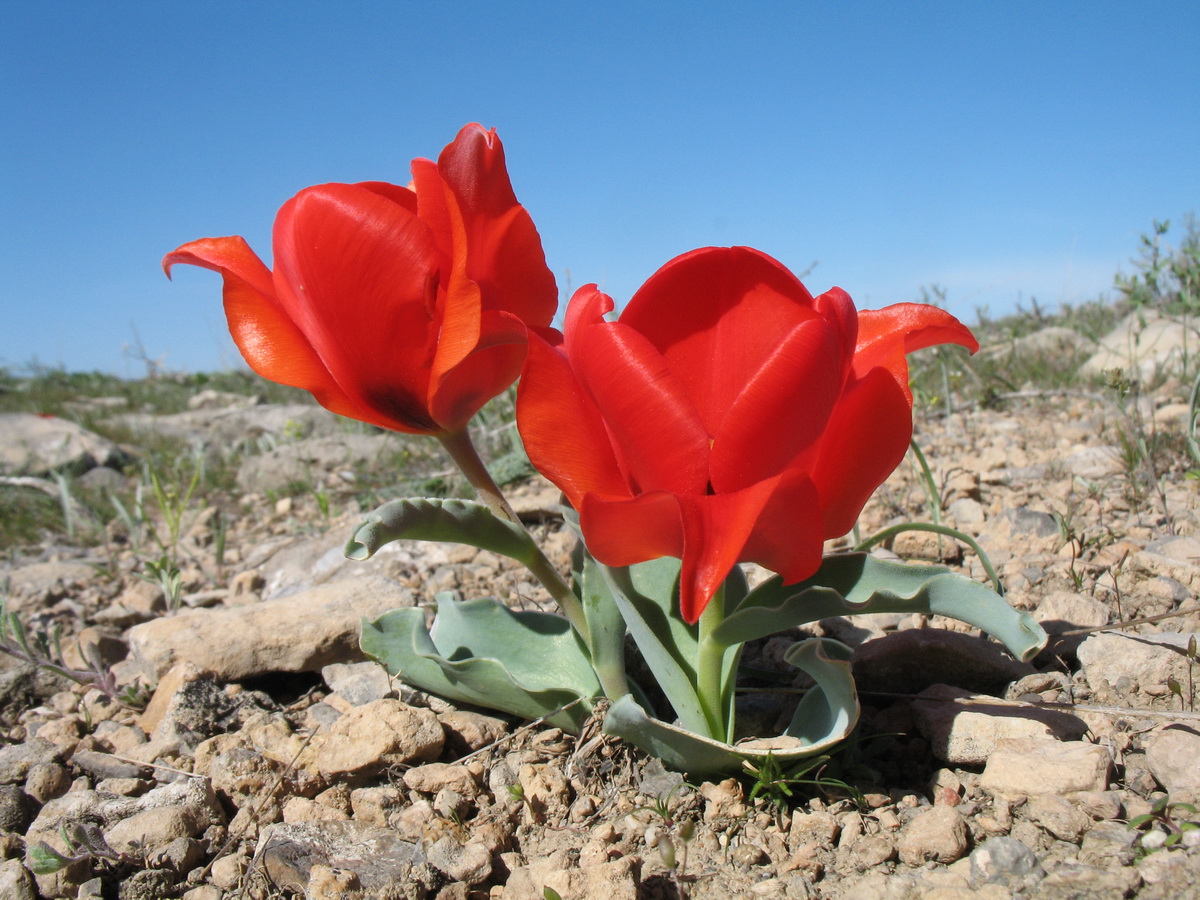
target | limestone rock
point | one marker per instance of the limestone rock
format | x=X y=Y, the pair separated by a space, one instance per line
x=368 y=739
x=938 y=834
x=1144 y=344
x=385 y=867
x=300 y=633
x=1120 y=666
x=1172 y=754
x=38 y=445
x=964 y=729
x=616 y=880
x=1029 y=766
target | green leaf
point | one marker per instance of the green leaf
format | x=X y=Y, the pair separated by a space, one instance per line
x=45 y=860
x=826 y=715
x=855 y=584
x=529 y=664
x=457 y=521
x=606 y=627
x=646 y=595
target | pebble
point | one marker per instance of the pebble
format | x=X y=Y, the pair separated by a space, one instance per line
x=939 y=834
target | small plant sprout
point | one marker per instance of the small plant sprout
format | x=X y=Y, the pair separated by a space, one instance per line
x=43 y=648
x=1165 y=824
x=165 y=573
x=1177 y=689
x=83 y=841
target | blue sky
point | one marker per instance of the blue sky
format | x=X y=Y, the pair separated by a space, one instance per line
x=1005 y=151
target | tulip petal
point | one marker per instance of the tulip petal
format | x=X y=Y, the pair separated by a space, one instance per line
x=886 y=336
x=867 y=437
x=561 y=428
x=504 y=250
x=783 y=408
x=788 y=537
x=715 y=314
x=268 y=339
x=660 y=440
x=358 y=274
x=489 y=369
x=716 y=530
x=624 y=532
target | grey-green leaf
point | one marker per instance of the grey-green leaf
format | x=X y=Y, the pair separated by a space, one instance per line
x=457 y=521
x=856 y=583
x=529 y=664
x=826 y=715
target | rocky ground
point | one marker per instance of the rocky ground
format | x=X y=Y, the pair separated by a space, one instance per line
x=264 y=759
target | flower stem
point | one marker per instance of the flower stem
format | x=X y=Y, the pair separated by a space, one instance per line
x=710 y=655
x=458 y=444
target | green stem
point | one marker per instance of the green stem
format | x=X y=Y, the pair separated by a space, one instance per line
x=458 y=444
x=709 y=657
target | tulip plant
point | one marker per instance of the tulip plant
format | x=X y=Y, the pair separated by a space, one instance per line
x=726 y=416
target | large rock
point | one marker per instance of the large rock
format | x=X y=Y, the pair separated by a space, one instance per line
x=1024 y=767
x=38 y=445
x=300 y=633
x=1120 y=666
x=1143 y=345
x=964 y=729
x=1172 y=755
x=254 y=428
x=313 y=462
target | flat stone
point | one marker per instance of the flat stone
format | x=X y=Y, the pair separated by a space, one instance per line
x=38 y=445
x=380 y=860
x=313 y=461
x=15 y=881
x=1172 y=754
x=616 y=880
x=301 y=633
x=1173 y=557
x=39 y=585
x=1060 y=611
x=17 y=759
x=1144 y=344
x=964 y=729
x=1119 y=667
x=1030 y=766
x=1058 y=816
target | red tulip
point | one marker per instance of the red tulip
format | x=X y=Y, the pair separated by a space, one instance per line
x=728 y=416
x=403 y=307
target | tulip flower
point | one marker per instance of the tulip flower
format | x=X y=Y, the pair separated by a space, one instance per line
x=404 y=307
x=728 y=415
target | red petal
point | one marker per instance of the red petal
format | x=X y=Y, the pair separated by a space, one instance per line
x=788 y=537
x=866 y=439
x=716 y=530
x=783 y=408
x=268 y=339
x=561 y=428
x=489 y=369
x=503 y=249
x=715 y=314
x=660 y=440
x=905 y=327
x=626 y=532
x=358 y=274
